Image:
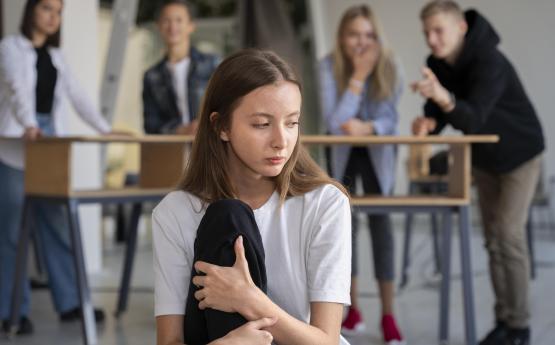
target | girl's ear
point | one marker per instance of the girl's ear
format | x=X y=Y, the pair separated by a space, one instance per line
x=223 y=134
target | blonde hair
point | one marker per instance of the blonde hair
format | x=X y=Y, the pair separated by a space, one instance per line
x=206 y=174
x=441 y=6
x=384 y=77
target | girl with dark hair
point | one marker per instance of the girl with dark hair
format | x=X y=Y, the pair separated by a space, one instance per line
x=34 y=84
x=256 y=243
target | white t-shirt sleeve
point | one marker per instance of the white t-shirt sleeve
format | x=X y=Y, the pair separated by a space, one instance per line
x=329 y=254
x=172 y=266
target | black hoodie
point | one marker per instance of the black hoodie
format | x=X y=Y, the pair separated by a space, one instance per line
x=489 y=98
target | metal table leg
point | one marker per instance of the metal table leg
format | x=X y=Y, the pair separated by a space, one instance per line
x=406 y=250
x=445 y=278
x=87 y=317
x=435 y=240
x=129 y=258
x=466 y=268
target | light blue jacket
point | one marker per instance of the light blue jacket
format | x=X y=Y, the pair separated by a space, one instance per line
x=337 y=109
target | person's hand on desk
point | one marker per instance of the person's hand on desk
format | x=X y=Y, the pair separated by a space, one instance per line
x=423 y=125
x=356 y=127
x=32 y=133
x=189 y=129
x=430 y=88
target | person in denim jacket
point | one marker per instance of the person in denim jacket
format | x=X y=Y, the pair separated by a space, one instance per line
x=173 y=87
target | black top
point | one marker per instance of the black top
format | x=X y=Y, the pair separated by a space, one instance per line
x=490 y=99
x=46 y=81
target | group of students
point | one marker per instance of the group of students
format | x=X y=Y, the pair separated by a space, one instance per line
x=258 y=244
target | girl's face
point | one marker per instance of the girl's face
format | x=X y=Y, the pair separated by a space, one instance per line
x=358 y=36
x=48 y=16
x=264 y=130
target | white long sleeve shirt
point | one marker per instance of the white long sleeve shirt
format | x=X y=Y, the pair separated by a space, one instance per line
x=18 y=80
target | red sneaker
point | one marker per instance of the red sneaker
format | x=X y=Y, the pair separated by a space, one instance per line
x=390 y=331
x=353 y=322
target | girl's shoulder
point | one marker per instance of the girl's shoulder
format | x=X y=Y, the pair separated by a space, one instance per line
x=179 y=206
x=326 y=194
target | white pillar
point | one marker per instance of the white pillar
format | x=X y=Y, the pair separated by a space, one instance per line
x=80 y=46
x=11 y=16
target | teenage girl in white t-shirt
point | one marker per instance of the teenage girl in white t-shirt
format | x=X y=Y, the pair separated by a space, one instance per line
x=256 y=244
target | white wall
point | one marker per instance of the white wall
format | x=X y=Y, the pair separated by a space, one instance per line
x=79 y=44
x=527 y=34
x=11 y=16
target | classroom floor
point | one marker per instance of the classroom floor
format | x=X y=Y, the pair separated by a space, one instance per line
x=416 y=305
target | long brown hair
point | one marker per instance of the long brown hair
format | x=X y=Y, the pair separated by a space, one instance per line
x=28 y=24
x=384 y=77
x=206 y=174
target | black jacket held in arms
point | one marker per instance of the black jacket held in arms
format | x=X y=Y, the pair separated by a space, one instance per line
x=490 y=99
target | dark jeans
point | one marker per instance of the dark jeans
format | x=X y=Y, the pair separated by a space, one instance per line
x=222 y=223
x=359 y=164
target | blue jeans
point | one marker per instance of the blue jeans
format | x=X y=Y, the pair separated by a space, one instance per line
x=50 y=224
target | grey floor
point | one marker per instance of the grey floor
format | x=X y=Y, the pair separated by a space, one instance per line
x=416 y=305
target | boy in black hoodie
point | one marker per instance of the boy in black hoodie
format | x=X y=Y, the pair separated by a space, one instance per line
x=471 y=85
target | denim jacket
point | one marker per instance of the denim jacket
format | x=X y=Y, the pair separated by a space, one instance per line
x=337 y=109
x=160 y=111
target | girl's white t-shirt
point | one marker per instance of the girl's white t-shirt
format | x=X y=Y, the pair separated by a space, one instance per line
x=307 y=242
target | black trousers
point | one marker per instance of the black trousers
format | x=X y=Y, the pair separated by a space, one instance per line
x=222 y=223
x=360 y=164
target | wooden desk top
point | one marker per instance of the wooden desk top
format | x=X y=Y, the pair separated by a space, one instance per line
x=428 y=200
x=49 y=168
x=306 y=139
x=369 y=200
x=398 y=139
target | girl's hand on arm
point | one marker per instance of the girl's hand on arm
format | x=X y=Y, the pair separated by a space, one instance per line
x=324 y=327
x=251 y=333
x=357 y=127
x=169 y=331
x=227 y=289
x=231 y=289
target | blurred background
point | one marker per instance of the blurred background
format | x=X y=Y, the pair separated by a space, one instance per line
x=302 y=31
